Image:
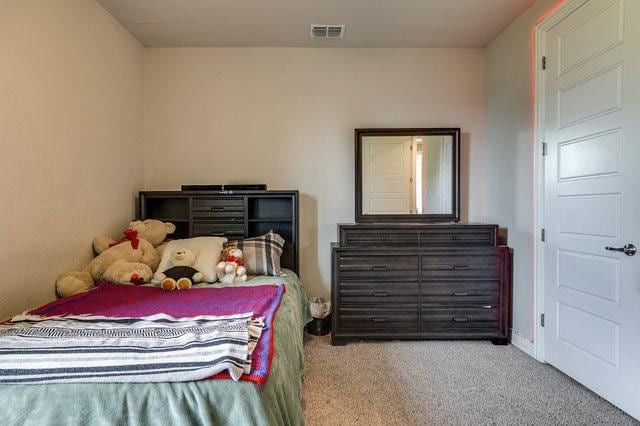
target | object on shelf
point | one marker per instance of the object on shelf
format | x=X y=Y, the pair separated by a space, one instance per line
x=225 y=188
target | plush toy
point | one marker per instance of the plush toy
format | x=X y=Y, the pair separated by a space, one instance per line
x=182 y=274
x=132 y=259
x=231 y=269
x=154 y=231
x=133 y=272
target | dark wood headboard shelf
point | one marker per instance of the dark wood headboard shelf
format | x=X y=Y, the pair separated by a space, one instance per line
x=234 y=215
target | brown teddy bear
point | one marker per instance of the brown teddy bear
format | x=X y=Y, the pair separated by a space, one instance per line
x=132 y=259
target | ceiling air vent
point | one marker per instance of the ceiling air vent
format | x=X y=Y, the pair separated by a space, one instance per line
x=327 y=31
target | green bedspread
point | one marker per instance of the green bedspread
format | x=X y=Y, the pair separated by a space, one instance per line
x=206 y=402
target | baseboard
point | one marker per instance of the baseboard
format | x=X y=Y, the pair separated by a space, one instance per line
x=525 y=345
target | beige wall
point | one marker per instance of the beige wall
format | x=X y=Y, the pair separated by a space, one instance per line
x=70 y=140
x=509 y=153
x=285 y=117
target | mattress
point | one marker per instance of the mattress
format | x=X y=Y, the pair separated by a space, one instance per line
x=205 y=402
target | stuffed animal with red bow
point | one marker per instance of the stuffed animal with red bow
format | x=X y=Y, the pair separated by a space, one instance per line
x=231 y=269
x=132 y=259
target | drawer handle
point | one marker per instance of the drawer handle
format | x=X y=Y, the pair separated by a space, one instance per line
x=217 y=234
x=378 y=319
x=460 y=293
x=460 y=267
x=460 y=319
x=487 y=306
x=379 y=294
x=379 y=268
x=218 y=209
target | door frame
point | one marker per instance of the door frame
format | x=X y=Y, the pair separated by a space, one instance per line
x=545 y=22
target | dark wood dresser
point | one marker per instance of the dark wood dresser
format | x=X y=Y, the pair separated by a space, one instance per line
x=420 y=281
x=231 y=214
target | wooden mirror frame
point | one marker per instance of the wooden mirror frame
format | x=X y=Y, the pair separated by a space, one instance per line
x=454 y=216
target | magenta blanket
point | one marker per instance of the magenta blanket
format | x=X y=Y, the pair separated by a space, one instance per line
x=131 y=301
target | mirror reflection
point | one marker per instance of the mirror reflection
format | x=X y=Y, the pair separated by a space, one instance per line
x=407 y=174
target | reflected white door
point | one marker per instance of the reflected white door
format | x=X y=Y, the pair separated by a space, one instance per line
x=386 y=177
x=592 y=198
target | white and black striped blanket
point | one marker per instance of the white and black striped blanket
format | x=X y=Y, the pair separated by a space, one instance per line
x=97 y=349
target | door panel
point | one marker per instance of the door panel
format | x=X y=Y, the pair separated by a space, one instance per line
x=580 y=45
x=590 y=333
x=387 y=170
x=602 y=89
x=593 y=156
x=591 y=110
x=602 y=218
x=590 y=274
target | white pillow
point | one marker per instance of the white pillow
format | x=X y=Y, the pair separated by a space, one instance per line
x=208 y=251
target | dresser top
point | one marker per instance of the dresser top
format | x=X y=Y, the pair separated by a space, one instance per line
x=447 y=234
x=409 y=225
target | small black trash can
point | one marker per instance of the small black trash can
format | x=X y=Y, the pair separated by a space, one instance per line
x=320 y=308
x=319 y=326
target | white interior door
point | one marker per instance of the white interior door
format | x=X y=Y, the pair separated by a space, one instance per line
x=386 y=177
x=592 y=198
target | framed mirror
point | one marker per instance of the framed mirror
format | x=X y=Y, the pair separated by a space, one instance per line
x=407 y=175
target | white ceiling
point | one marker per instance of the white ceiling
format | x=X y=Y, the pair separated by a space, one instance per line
x=370 y=23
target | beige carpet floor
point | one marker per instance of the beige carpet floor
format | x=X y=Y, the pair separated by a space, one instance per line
x=442 y=383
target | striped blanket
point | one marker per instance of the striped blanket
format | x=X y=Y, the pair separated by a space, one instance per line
x=157 y=348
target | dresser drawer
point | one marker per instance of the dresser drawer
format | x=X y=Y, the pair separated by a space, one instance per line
x=478 y=292
x=218 y=202
x=229 y=213
x=230 y=216
x=218 y=229
x=449 y=318
x=378 y=292
x=236 y=221
x=398 y=317
x=365 y=237
x=458 y=236
x=378 y=266
x=218 y=208
x=472 y=265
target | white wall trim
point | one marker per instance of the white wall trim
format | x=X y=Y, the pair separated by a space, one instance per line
x=556 y=15
x=525 y=345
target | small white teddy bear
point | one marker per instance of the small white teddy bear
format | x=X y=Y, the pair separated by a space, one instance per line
x=231 y=269
x=181 y=275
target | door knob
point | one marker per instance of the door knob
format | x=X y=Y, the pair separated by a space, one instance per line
x=628 y=249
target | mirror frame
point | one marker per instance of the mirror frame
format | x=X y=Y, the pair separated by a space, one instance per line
x=454 y=216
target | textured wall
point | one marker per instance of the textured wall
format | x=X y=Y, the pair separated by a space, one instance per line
x=70 y=140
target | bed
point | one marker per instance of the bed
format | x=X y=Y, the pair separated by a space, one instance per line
x=205 y=402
